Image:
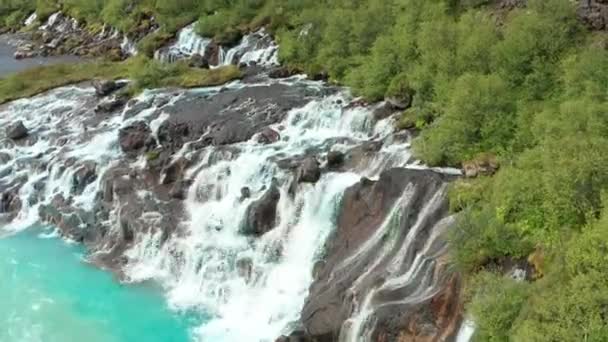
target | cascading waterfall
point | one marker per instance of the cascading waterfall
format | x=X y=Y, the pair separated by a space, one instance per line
x=256 y=47
x=66 y=138
x=188 y=43
x=248 y=289
x=201 y=269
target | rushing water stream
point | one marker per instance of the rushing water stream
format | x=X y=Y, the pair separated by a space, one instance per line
x=236 y=287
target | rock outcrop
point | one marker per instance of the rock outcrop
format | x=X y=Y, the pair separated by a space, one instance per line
x=399 y=220
x=17 y=131
x=594 y=13
x=261 y=215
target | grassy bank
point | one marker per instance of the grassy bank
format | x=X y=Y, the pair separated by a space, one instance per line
x=144 y=72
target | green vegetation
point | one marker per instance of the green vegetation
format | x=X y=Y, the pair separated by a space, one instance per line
x=144 y=73
x=531 y=90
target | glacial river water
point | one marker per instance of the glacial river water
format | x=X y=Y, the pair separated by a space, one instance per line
x=49 y=294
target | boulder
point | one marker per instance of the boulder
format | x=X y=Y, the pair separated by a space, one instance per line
x=84 y=176
x=180 y=189
x=134 y=137
x=17 y=131
x=106 y=87
x=335 y=159
x=482 y=165
x=174 y=171
x=4 y=157
x=10 y=201
x=111 y=104
x=212 y=54
x=361 y=231
x=260 y=216
x=268 y=136
x=281 y=72
x=198 y=61
x=309 y=171
x=400 y=103
x=384 y=110
x=172 y=134
x=245 y=193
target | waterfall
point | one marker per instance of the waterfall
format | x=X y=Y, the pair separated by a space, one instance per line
x=188 y=43
x=248 y=288
x=128 y=47
x=31 y=19
x=256 y=47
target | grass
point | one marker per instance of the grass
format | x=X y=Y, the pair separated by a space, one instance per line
x=145 y=73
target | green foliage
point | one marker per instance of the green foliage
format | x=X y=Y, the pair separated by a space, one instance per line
x=36 y=80
x=147 y=73
x=496 y=304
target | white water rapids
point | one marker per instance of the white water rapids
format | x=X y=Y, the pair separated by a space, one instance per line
x=199 y=268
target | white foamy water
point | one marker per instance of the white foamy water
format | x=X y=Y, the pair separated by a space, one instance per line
x=200 y=269
x=64 y=141
x=256 y=47
x=251 y=289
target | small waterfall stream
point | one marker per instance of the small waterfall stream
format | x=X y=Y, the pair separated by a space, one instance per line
x=256 y=47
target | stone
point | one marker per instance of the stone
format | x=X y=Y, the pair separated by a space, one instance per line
x=482 y=165
x=134 y=137
x=245 y=193
x=106 y=87
x=17 y=131
x=180 y=189
x=309 y=171
x=335 y=159
x=260 y=216
x=111 y=104
x=281 y=72
x=268 y=136
x=84 y=176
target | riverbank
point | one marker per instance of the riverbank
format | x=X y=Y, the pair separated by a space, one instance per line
x=9 y=65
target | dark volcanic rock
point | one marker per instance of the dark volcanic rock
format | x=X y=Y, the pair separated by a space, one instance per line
x=111 y=104
x=233 y=115
x=268 y=136
x=84 y=176
x=106 y=87
x=364 y=209
x=261 y=214
x=17 y=131
x=335 y=159
x=10 y=201
x=180 y=189
x=309 y=171
x=245 y=193
x=134 y=137
x=281 y=72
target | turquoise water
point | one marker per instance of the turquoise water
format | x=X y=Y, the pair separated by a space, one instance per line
x=48 y=294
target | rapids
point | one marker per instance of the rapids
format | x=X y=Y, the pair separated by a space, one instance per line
x=250 y=289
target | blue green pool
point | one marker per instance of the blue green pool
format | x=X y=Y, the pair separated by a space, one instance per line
x=48 y=294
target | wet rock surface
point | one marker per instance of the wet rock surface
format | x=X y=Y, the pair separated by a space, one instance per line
x=351 y=259
x=16 y=131
x=135 y=175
